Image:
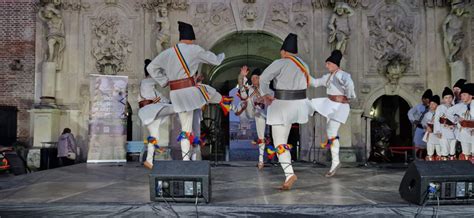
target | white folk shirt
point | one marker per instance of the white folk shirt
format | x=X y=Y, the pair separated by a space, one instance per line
x=255 y=109
x=167 y=67
x=150 y=112
x=429 y=137
x=285 y=76
x=340 y=83
x=446 y=132
x=457 y=112
x=252 y=94
x=148 y=91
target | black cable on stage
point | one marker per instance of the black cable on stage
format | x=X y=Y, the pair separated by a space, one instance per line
x=196 y=206
x=437 y=209
x=169 y=205
x=424 y=203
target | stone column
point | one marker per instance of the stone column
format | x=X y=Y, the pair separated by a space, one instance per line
x=48 y=85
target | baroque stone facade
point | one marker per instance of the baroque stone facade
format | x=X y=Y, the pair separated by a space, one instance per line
x=391 y=47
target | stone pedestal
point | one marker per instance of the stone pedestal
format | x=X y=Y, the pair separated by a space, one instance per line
x=45 y=129
x=48 y=85
x=458 y=71
x=46 y=126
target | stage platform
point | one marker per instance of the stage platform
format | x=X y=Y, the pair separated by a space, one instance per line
x=238 y=189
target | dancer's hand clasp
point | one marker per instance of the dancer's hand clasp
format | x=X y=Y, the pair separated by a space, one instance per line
x=156 y=100
x=266 y=99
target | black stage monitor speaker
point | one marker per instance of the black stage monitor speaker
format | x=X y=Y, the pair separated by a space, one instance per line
x=452 y=182
x=180 y=181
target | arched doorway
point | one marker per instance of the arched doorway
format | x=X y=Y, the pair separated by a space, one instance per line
x=254 y=49
x=390 y=126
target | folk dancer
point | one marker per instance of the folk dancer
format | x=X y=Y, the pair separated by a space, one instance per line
x=176 y=67
x=457 y=90
x=291 y=78
x=250 y=94
x=154 y=113
x=335 y=107
x=430 y=137
x=463 y=115
x=457 y=99
x=444 y=128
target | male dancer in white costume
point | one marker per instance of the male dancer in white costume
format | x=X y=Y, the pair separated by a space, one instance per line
x=463 y=115
x=177 y=67
x=154 y=112
x=291 y=78
x=250 y=94
x=457 y=90
x=432 y=140
x=444 y=128
x=339 y=88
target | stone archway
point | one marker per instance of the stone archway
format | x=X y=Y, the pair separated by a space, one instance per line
x=254 y=49
x=391 y=111
x=257 y=49
x=376 y=95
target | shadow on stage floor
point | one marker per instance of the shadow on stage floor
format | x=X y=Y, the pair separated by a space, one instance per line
x=238 y=188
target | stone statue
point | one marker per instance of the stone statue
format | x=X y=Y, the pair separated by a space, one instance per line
x=339 y=26
x=163 y=36
x=391 y=33
x=453 y=38
x=51 y=15
x=452 y=31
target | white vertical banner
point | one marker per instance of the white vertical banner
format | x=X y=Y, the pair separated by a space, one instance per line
x=108 y=120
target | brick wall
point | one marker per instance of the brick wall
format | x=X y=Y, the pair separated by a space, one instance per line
x=17 y=42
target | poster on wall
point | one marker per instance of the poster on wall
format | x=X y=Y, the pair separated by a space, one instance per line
x=108 y=119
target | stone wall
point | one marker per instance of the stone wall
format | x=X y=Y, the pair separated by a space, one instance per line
x=17 y=59
x=392 y=47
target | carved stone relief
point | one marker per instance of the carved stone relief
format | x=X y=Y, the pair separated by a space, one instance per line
x=300 y=22
x=220 y=13
x=330 y=3
x=365 y=89
x=320 y=3
x=249 y=14
x=172 y=4
x=111 y=2
x=111 y=47
x=74 y=5
x=201 y=17
x=391 y=40
x=300 y=6
x=179 y=4
x=279 y=13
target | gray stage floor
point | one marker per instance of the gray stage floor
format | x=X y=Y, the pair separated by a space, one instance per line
x=240 y=183
x=237 y=185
